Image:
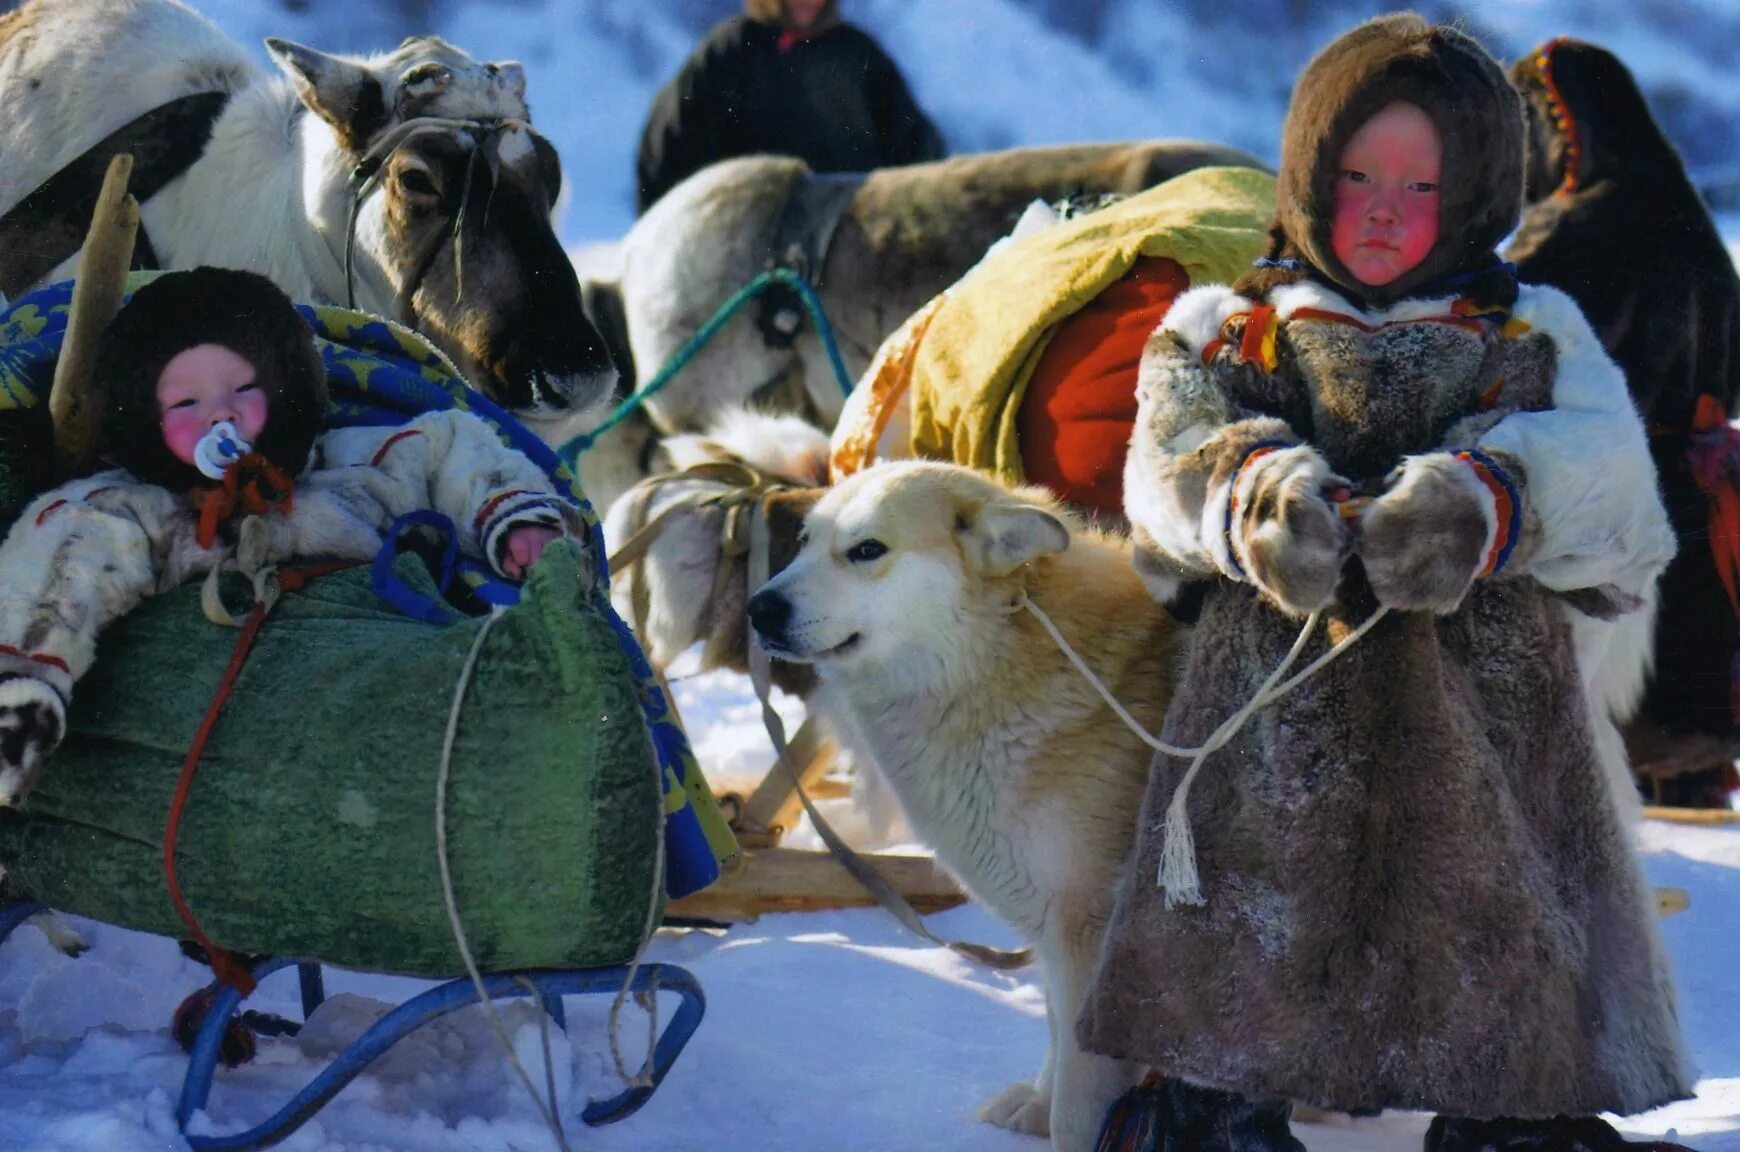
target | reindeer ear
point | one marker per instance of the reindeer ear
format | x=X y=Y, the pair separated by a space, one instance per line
x=341 y=92
x=1005 y=534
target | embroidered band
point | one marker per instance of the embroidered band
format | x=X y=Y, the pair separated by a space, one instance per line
x=1258 y=451
x=1507 y=506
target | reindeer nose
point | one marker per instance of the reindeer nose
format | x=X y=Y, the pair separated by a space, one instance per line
x=769 y=614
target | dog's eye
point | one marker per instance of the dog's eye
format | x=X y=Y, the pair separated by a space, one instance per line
x=866 y=550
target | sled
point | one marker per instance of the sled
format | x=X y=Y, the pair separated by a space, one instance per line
x=556 y=864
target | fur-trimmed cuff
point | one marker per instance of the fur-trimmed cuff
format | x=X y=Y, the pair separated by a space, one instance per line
x=1220 y=512
x=50 y=670
x=507 y=511
x=1501 y=505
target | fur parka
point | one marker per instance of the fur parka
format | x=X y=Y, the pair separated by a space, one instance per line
x=1613 y=219
x=83 y=554
x=1417 y=889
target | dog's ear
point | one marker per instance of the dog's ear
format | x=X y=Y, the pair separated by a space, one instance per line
x=1005 y=534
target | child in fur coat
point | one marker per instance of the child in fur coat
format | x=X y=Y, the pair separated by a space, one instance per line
x=1415 y=889
x=211 y=397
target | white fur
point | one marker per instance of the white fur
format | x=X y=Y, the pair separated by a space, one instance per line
x=1196 y=317
x=781 y=446
x=680 y=570
x=271 y=192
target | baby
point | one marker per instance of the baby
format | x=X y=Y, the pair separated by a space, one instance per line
x=1415 y=891
x=211 y=397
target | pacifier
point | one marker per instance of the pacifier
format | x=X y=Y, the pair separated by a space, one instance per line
x=220 y=447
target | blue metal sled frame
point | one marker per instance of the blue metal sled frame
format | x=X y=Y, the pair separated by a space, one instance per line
x=548 y=984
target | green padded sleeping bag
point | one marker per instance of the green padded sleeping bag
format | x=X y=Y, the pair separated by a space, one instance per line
x=310 y=827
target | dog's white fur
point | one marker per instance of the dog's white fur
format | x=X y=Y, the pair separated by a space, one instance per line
x=1004 y=758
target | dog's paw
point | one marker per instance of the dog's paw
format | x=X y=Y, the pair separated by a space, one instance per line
x=32 y=722
x=1423 y=541
x=1019 y=1108
x=1291 y=540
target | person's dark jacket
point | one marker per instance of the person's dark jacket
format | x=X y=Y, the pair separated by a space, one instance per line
x=1613 y=219
x=835 y=100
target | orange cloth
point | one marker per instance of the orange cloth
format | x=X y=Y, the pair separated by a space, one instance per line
x=1080 y=406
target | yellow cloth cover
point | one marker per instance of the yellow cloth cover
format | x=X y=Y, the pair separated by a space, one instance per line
x=980 y=346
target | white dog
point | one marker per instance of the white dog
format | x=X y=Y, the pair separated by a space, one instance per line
x=906 y=598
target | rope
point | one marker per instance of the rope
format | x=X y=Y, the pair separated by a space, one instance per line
x=644 y=1077
x=1178 y=874
x=268 y=583
x=546 y=1108
x=579 y=445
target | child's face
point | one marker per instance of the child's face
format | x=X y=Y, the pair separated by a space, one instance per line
x=1386 y=196
x=201 y=386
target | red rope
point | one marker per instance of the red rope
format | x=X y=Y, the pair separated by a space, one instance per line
x=228 y=966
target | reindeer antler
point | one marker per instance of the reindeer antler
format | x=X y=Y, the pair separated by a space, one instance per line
x=96 y=298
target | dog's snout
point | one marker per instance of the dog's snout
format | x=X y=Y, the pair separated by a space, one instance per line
x=769 y=613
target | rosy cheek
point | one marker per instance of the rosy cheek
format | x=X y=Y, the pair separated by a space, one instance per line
x=1420 y=232
x=1345 y=228
x=182 y=428
x=250 y=414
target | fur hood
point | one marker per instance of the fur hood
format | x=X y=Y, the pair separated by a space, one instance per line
x=1588 y=122
x=772 y=12
x=1479 y=120
x=1607 y=191
x=242 y=311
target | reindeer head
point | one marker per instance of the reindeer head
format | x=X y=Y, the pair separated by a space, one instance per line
x=448 y=224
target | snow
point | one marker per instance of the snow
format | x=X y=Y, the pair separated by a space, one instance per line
x=834 y=1030
x=1190 y=68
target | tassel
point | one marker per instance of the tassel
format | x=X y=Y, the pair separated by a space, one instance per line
x=1178 y=846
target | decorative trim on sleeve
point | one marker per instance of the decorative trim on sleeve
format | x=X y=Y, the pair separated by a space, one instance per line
x=1506 y=509
x=1258 y=450
x=506 y=510
x=51 y=671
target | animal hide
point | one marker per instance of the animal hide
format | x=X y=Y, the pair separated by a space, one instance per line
x=1418 y=893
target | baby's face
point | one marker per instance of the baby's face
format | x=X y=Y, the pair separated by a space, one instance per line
x=1386 y=195
x=201 y=386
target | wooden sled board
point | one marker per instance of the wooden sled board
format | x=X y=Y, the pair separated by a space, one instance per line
x=762 y=880
x=1691 y=815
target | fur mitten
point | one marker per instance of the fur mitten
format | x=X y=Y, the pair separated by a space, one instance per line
x=1284 y=532
x=1426 y=538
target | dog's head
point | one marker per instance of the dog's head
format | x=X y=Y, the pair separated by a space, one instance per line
x=897 y=563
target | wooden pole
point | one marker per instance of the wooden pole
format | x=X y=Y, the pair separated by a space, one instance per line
x=774 y=806
x=1691 y=815
x=102 y=278
x=756 y=882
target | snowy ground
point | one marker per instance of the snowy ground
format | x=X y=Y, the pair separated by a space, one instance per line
x=833 y=1031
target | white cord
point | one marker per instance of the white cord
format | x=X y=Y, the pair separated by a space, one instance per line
x=547 y=1109
x=1178 y=874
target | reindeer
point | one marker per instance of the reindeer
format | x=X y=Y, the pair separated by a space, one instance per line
x=416 y=190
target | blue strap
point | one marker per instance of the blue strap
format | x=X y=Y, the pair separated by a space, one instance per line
x=389 y=587
x=486 y=585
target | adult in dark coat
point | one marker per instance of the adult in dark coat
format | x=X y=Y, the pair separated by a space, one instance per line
x=1410 y=887
x=787 y=77
x=1612 y=219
